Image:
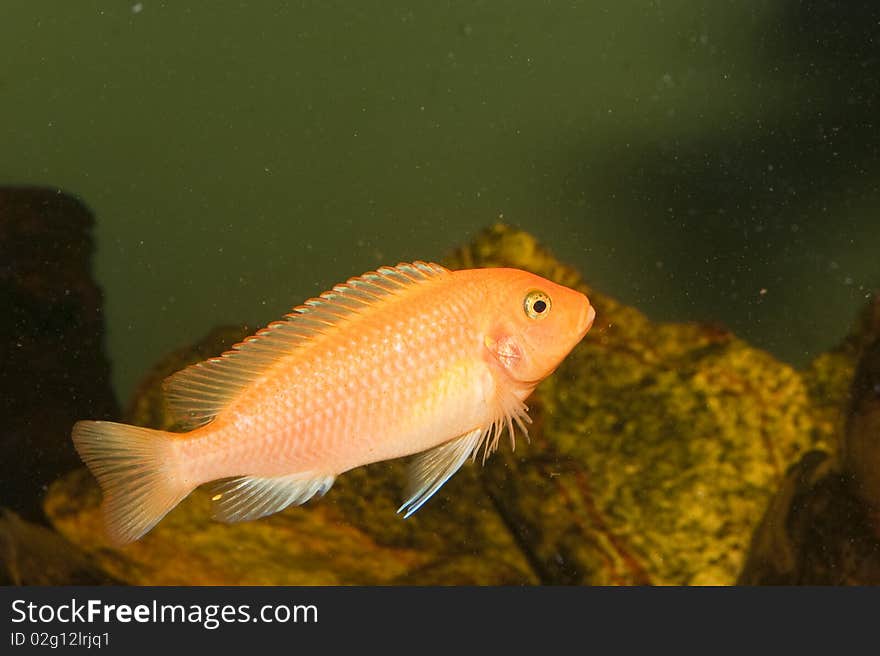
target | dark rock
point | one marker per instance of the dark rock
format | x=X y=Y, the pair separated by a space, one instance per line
x=816 y=531
x=823 y=525
x=861 y=445
x=54 y=370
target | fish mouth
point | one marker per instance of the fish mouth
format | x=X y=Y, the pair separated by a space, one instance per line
x=585 y=322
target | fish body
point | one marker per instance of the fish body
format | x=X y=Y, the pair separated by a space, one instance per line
x=413 y=359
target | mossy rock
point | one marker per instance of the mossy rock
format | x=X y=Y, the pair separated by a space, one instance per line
x=31 y=554
x=654 y=452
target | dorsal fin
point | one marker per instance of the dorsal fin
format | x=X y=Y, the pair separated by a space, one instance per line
x=196 y=394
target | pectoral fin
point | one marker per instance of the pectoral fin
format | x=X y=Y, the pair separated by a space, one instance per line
x=428 y=471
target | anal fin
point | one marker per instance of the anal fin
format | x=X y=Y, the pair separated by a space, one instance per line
x=251 y=497
x=428 y=471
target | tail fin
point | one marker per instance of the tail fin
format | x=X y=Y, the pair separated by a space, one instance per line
x=136 y=468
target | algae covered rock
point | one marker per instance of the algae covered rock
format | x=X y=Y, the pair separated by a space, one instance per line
x=187 y=548
x=654 y=452
x=31 y=554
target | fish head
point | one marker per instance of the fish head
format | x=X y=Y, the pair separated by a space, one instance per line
x=534 y=325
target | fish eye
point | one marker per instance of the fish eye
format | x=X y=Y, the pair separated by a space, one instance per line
x=536 y=304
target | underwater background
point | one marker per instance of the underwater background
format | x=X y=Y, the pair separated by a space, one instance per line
x=689 y=162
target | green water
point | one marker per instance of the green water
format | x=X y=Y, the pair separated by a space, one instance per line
x=712 y=161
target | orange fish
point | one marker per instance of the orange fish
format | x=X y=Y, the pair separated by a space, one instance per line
x=412 y=359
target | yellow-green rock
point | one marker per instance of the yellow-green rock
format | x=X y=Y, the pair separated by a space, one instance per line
x=31 y=554
x=654 y=452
